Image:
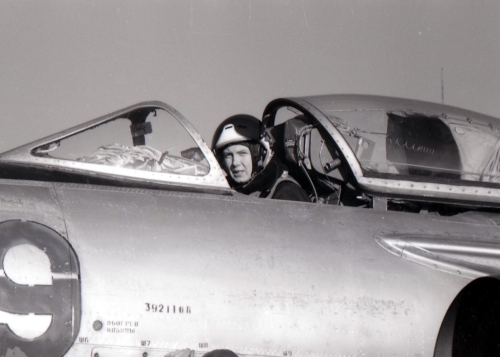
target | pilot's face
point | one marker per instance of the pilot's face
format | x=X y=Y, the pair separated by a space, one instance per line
x=238 y=161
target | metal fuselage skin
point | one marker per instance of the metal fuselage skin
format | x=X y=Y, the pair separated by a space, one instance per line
x=163 y=270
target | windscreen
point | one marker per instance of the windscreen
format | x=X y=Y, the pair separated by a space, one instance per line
x=159 y=143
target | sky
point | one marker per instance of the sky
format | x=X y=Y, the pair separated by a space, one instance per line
x=65 y=62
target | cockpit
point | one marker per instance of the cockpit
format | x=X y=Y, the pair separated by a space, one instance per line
x=351 y=150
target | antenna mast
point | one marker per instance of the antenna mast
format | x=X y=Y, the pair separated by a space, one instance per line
x=442 y=86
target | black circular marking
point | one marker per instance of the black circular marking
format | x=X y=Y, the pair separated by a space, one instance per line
x=97 y=325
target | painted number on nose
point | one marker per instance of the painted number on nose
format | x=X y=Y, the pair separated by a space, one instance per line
x=39 y=316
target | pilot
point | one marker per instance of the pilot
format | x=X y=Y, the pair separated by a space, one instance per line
x=251 y=168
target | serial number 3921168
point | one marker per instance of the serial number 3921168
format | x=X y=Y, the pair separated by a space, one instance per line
x=168 y=309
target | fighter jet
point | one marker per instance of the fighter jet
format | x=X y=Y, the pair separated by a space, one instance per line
x=121 y=236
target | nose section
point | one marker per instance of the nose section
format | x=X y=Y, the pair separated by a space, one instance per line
x=236 y=160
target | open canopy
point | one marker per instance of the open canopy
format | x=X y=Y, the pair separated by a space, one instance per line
x=399 y=147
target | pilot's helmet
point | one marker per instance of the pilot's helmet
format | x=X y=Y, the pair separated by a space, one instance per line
x=244 y=130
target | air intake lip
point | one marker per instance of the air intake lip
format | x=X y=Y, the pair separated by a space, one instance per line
x=469 y=257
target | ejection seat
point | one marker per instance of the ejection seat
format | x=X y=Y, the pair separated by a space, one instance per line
x=298 y=143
